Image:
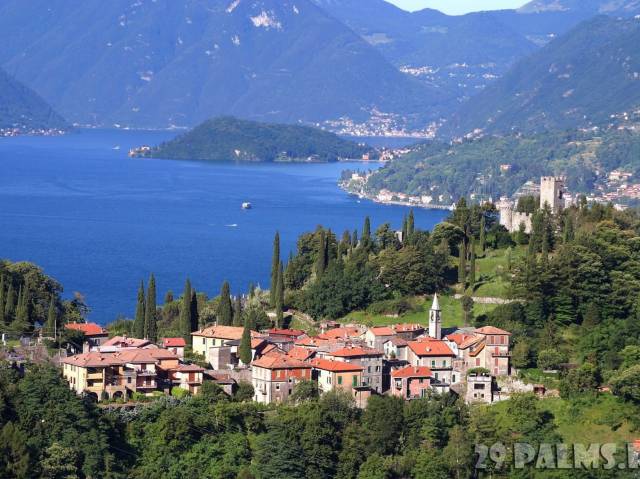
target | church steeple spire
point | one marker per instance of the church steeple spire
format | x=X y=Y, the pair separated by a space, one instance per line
x=435 y=319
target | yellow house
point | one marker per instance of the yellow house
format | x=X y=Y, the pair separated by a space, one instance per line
x=337 y=375
x=215 y=336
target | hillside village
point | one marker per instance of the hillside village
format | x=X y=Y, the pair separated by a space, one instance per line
x=404 y=360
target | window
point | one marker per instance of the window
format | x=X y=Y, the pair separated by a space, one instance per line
x=339 y=379
x=433 y=363
x=421 y=380
x=204 y=341
x=436 y=376
x=453 y=378
x=277 y=387
x=369 y=369
x=377 y=369
x=444 y=363
x=354 y=381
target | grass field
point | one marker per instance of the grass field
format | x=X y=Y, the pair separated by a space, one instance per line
x=451 y=313
x=490 y=272
x=599 y=419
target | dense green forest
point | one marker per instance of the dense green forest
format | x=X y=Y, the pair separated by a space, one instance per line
x=473 y=167
x=228 y=138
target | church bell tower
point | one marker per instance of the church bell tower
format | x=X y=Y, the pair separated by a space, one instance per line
x=435 y=319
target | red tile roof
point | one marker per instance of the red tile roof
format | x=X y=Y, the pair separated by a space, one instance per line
x=412 y=372
x=300 y=353
x=294 y=333
x=464 y=340
x=490 y=330
x=174 y=342
x=382 y=331
x=188 y=368
x=123 y=341
x=312 y=342
x=222 y=332
x=123 y=356
x=280 y=361
x=334 y=366
x=351 y=352
x=343 y=332
x=407 y=328
x=478 y=350
x=89 y=329
x=430 y=347
x=398 y=342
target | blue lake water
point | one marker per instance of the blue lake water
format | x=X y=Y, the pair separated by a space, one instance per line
x=99 y=222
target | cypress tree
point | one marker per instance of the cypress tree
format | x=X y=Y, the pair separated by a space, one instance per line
x=275 y=264
x=483 y=234
x=138 y=322
x=194 y=313
x=10 y=304
x=366 y=233
x=2 y=301
x=410 y=225
x=404 y=229
x=321 y=261
x=509 y=258
x=237 y=311
x=462 y=265
x=186 y=322
x=52 y=318
x=225 y=308
x=244 y=349
x=568 y=233
x=150 y=326
x=22 y=310
x=472 y=265
x=280 y=300
x=354 y=239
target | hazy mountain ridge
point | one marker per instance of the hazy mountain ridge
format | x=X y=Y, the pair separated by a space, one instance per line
x=174 y=62
x=21 y=109
x=579 y=80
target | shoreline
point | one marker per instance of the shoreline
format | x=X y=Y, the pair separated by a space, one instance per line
x=373 y=199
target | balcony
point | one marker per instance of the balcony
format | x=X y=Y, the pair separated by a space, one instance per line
x=501 y=354
x=94 y=376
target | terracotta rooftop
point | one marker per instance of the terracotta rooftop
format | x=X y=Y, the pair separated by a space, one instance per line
x=398 y=342
x=430 y=347
x=280 y=361
x=382 y=331
x=300 y=353
x=412 y=372
x=294 y=333
x=490 y=330
x=350 y=352
x=222 y=332
x=334 y=366
x=89 y=329
x=124 y=341
x=407 y=328
x=133 y=356
x=174 y=342
x=464 y=340
x=342 y=332
x=311 y=342
x=188 y=368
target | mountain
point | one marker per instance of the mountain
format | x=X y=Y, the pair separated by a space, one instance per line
x=491 y=167
x=227 y=138
x=592 y=7
x=579 y=80
x=461 y=53
x=23 y=110
x=155 y=63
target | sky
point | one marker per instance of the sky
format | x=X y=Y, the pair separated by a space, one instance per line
x=458 y=7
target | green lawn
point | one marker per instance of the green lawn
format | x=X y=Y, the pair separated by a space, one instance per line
x=451 y=313
x=598 y=419
x=490 y=272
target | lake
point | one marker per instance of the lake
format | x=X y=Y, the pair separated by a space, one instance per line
x=99 y=222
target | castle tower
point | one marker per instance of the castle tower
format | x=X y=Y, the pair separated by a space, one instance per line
x=505 y=207
x=552 y=193
x=435 y=319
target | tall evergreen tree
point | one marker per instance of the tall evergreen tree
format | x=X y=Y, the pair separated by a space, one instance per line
x=321 y=260
x=195 y=314
x=462 y=264
x=186 y=322
x=138 y=322
x=2 y=301
x=275 y=264
x=568 y=233
x=244 y=349
x=10 y=304
x=404 y=229
x=472 y=265
x=354 y=239
x=280 y=300
x=150 y=316
x=237 y=311
x=410 y=226
x=483 y=234
x=225 y=308
x=51 y=327
x=509 y=259
x=365 y=240
x=22 y=310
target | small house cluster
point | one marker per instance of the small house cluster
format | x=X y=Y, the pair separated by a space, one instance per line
x=403 y=360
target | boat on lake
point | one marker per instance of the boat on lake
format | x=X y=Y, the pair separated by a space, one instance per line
x=246 y=206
